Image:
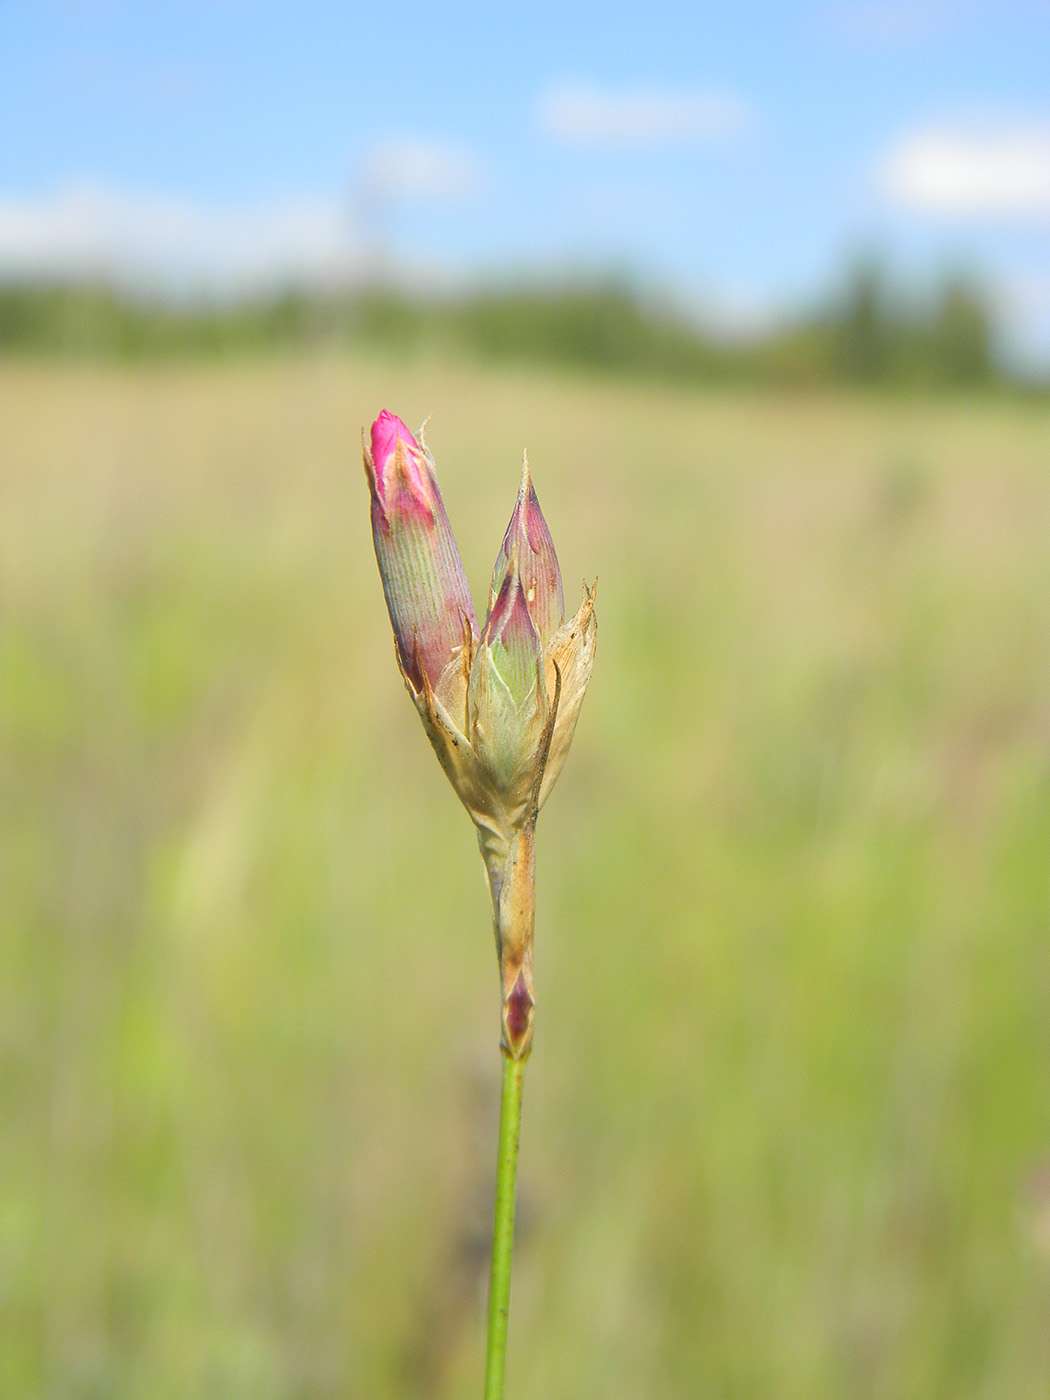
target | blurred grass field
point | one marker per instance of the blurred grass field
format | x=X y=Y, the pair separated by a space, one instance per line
x=787 y=1125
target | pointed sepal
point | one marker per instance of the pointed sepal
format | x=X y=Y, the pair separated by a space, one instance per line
x=528 y=548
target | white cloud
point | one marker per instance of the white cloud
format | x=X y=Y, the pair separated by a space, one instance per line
x=995 y=170
x=634 y=120
x=91 y=229
x=418 y=170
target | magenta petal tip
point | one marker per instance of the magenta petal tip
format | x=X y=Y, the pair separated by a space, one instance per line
x=386 y=430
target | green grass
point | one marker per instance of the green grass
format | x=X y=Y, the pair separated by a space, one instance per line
x=787 y=1126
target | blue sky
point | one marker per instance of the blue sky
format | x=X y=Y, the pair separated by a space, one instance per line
x=739 y=155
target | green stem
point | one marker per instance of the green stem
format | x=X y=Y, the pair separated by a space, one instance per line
x=503 y=1223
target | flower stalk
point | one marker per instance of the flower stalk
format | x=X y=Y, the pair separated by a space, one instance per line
x=503 y=1224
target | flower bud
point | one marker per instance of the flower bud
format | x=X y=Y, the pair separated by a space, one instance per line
x=426 y=590
x=499 y=709
x=528 y=547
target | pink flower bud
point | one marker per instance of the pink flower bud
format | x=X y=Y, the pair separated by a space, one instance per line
x=426 y=590
x=528 y=549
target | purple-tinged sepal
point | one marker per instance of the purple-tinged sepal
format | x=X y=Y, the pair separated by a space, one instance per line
x=528 y=547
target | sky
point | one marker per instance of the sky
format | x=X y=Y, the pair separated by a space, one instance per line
x=736 y=158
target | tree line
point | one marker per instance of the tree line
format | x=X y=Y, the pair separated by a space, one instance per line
x=871 y=332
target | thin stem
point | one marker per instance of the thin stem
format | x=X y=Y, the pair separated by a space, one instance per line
x=503 y=1223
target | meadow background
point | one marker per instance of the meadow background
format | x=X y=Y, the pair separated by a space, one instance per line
x=764 y=290
x=787 y=1124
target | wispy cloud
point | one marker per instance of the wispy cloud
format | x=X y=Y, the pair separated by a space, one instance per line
x=92 y=229
x=411 y=169
x=641 y=118
x=889 y=22
x=908 y=23
x=992 y=170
